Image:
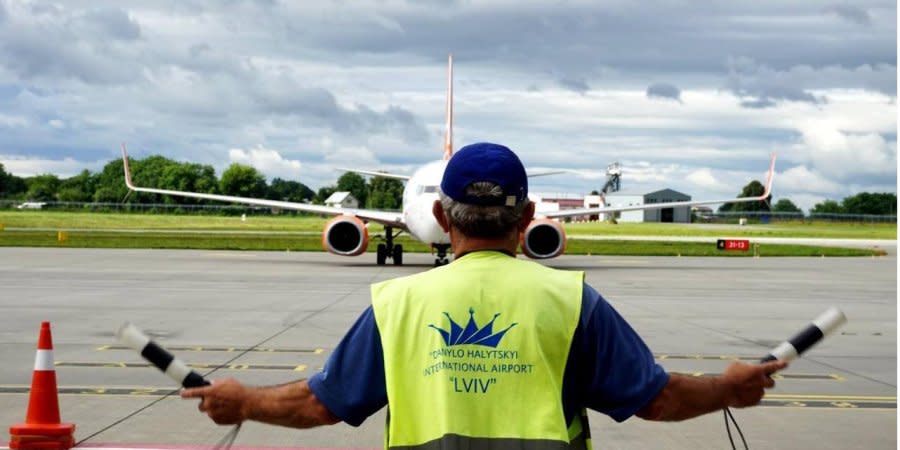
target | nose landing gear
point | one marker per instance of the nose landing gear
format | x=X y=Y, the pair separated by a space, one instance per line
x=389 y=249
x=441 y=250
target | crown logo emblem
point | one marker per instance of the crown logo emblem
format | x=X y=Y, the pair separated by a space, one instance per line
x=472 y=333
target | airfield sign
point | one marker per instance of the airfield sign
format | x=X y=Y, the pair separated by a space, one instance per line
x=742 y=245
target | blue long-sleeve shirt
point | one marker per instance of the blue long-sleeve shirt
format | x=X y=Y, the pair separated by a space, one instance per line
x=609 y=368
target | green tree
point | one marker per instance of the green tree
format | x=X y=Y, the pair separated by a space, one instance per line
x=42 y=187
x=323 y=193
x=110 y=187
x=291 y=191
x=11 y=186
x=786 y=206
x=355 y=184
x=827 y=207
x=243 y=181
x=188 y=177
x=385 y=193
x=3 y=180
x=871 y=203
x=149 y=172
x=79 y=188
x=753 y=189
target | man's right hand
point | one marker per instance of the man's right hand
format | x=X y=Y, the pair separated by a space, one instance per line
x=748 y=382
x=685 y=396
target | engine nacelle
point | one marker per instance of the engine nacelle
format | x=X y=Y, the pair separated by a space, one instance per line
x=345 y=236
x=543 y=239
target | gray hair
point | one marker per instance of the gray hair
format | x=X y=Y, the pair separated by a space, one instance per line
x=483 y=221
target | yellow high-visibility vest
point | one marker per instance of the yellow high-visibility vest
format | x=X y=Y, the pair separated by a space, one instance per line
x=475 y=353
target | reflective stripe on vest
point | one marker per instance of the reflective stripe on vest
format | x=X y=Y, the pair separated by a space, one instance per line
x=475 y=353
x=455 y=441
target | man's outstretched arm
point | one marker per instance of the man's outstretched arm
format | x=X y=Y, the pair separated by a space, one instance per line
x=685 y=397
x=291 y=405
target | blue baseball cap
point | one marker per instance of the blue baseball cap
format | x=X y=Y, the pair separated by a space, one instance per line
x=485 y=161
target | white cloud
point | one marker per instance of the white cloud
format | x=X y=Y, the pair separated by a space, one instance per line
x=802 y=180
x=267 y=161
x=24 y=166
x=806 y=202
x=845 y=155
x=363 y=85
x=705 y=179
x=352 y=157
x=8 y=121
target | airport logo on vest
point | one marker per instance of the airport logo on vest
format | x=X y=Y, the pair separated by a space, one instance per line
x=472 y=334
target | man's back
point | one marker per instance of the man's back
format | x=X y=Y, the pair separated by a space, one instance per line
x=477 y=350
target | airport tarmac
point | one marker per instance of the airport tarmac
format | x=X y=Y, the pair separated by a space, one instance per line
x=272 y=317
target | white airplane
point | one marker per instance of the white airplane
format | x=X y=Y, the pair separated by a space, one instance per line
x=347 y=234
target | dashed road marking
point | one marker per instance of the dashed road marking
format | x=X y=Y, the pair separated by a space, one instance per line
x=849 y=402
x=233 y=366
x=787 y=376
x=201 y=348
x=662 y=356
x=303 y=367
x=840 y=402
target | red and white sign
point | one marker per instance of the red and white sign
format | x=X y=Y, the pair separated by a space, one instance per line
x=741 y=245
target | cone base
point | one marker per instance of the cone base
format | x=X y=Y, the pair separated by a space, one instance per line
x=41 y=443
x=41 y=429
x=26 y=436
x=30 y=436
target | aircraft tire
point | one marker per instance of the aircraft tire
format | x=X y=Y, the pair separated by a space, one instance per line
x=381 y=254
x=398 y=255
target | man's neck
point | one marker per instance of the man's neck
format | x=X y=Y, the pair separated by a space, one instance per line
x=464 y=244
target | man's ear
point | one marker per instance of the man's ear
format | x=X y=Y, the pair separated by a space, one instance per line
x=527 y=216
x=437 y=210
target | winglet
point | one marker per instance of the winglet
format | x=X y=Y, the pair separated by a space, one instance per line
x=125 y=165
x=769 y=179
x=448 y=133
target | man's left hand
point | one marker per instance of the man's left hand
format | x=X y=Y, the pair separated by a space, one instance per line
x=224 y=401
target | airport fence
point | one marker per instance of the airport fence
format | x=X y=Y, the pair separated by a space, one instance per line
x=759 y=217
x=150 y=208
x=763 y=217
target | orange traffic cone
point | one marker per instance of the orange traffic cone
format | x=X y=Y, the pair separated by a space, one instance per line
x=42 y=429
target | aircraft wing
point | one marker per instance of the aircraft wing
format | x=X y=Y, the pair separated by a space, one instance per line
x=612 y=209
x=407 y=177
x=389 y=218
x=377 y=174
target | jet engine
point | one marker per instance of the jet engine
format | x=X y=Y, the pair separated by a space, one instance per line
x=345 y=236
x=543 y=239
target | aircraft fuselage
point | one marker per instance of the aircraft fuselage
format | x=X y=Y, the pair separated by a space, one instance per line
x=418 y=198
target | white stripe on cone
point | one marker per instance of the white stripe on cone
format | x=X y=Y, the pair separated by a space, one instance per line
x=43 y=360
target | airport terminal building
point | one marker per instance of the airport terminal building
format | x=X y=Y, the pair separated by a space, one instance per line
x=556 y=202
x=667 y=215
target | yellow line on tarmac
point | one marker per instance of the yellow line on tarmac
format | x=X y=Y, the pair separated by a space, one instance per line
x=831 y=397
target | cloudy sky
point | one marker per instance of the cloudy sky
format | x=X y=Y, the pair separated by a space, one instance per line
x=692 y=96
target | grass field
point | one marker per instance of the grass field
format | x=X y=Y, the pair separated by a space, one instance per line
x=49 y=219
x=286 y=233
x=307 y=242
x=836 y=230
x=55 y=219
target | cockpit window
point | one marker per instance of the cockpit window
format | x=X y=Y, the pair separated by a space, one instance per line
x=426 y=190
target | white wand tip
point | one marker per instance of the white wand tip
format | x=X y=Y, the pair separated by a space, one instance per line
x=132 y=337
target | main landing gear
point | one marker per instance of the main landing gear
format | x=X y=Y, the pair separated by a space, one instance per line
x=389 y=250
x=441 y=250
